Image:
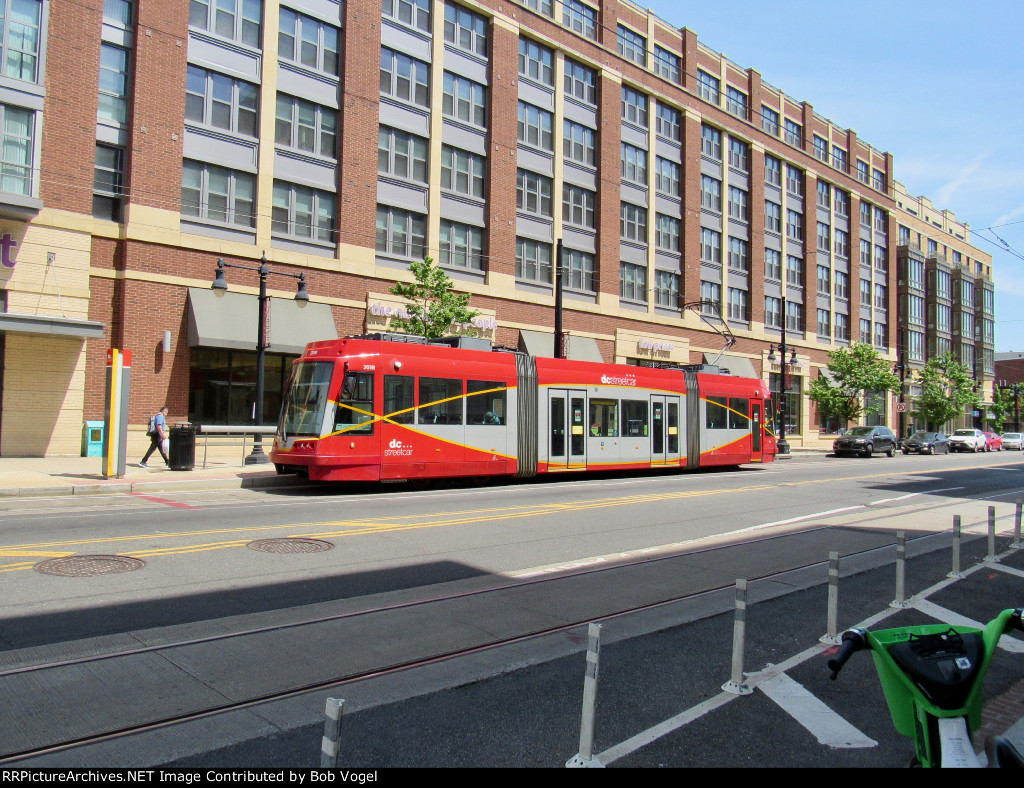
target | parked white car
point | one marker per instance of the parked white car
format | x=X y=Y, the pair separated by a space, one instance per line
x=1013 y=440
x=967 y=440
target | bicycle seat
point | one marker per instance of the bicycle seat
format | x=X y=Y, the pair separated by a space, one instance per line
x=943 y=666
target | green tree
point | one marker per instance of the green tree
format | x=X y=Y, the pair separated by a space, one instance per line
x=433 y=303
x=852 y=372
x=1001 y=409
x=947 y=389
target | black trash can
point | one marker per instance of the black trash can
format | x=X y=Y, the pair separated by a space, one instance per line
x=181 y=454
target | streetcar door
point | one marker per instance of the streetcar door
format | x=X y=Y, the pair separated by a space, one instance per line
x=664 y=430
x=755 y=431
x=566 y=429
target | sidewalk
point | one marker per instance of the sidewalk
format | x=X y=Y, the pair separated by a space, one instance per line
x=48 y=476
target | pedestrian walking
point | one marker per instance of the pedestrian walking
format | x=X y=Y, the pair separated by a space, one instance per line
x=157 y=433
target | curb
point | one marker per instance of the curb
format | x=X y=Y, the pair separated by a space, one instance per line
x=144 y=487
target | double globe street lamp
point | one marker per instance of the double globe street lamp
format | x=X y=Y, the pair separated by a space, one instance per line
x=220 y=287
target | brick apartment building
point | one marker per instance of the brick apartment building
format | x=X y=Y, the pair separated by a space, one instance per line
x=146 y=139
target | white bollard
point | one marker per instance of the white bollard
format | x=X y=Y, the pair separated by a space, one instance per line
x=991 y=535
x=736 y=685
x=956 y=573
x=585 y=757
x=901 y=571
x=1016 y=525
x=332 y=734
x=831 y=635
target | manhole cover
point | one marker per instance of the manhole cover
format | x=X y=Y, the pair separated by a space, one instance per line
x=293 y=545
x=89 y=565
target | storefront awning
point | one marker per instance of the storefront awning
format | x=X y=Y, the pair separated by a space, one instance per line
x=231 y=321
x=15 y=323
x=539 y=343
x=739 y=366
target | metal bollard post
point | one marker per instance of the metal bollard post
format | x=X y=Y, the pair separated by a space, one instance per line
x=735 y=685
x=956 y=573
x=1016 y=525
x=991 y=534
x=585 y=757
x=901 y=571
x=832 y=634
x=332 y=734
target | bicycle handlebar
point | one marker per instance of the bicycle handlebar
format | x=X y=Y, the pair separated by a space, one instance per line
x=853 y=640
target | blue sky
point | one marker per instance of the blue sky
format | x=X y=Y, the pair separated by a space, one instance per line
x=939 y=84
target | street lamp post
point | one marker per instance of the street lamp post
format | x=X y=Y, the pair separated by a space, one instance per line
x=220 y=286
x=780 y=407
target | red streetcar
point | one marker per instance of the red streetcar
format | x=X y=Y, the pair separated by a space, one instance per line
x=386 y=407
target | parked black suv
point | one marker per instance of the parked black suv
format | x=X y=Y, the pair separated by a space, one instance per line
x=866 y=441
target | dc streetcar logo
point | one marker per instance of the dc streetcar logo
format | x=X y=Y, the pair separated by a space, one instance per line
x=623 y=380
x=397 y=449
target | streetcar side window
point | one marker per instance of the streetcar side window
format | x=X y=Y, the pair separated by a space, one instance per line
x=717 y=414
x=354 y=414
x=634 y=418
x=485 y=402
x=399 y=398
x=604 y=421
x=739 y=413
x=440 y=401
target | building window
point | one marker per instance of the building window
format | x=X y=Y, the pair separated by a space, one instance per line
x=794 y=134
x=536 y=62
x=533 y=261
x=302 y=212
x=401 y=233
x=842 y=200
x=711 y=193
x=535 y=127
x=842 y=327
x=770 y=120
x=865 y=292
x=402 y=155
x=464 y=100
x=666 y=289
x=579 y=271
x=711 y=142
x=634 y=107
x=666 y=177
x=794 y=270
x=634 y=164
x=773 y=264
x=462 y=246
x=881 y=297
x=738 y=304
x=881 y=260
x=580 y=18
x=824 y=280
x=414 y=13
x=108 y=183
x=865 y=331
x=220 y=385
x=842 y=239
x=824 y=195
x=772 y=217
x=578 y=143
x=794 y=316
x=711 y=298
x=667 y=122
x=578 y=206
x=463 y=29
x=633 y=282
x=404 y=78
x=311 y=43
x=666 y=64
x=113 y=95
x=739 y=254
x=217 y=194
x=865 y=214
x=737 y=204
x=772 y=171
x=217 y=100
x=540 y=6
x=794 y=180
x=533 y=193
x=881 y=220
x=632 y=46
x=839 y=159
x=21 y=38
x=820 y=148
x=881 y=334
x=795 y=226
x=772 y=312
x=120 y=11
x=580 y=82
x=666 y=233
x=633 y=223
x=463 y=172
x=739 y=154
x=878 y=180
x=862 y=171
x=824 y=239
x=736 y=102
x=710 y=246
x=306 y=126
x=238 y=20
x=865 y=253
x=709 y=87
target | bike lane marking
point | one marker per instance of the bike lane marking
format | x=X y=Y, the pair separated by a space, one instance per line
x=830 y=728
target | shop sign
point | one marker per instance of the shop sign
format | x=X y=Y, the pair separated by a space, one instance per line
x=7 y=244
x=654 y=346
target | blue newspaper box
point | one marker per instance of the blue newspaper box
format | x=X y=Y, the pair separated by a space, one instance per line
x=92 y=443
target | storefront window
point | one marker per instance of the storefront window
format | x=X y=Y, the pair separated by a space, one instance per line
x=791 y=403
x=874 y=408
x=222 y=386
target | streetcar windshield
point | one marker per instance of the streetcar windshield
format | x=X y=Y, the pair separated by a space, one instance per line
x=306 y=398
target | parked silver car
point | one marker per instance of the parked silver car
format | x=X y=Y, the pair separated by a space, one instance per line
x=1013 y=440
x=967 y=439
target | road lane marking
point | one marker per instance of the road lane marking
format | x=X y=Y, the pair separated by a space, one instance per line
x=827 y=726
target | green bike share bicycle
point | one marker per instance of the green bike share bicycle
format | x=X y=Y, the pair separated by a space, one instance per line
x=932 y=677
